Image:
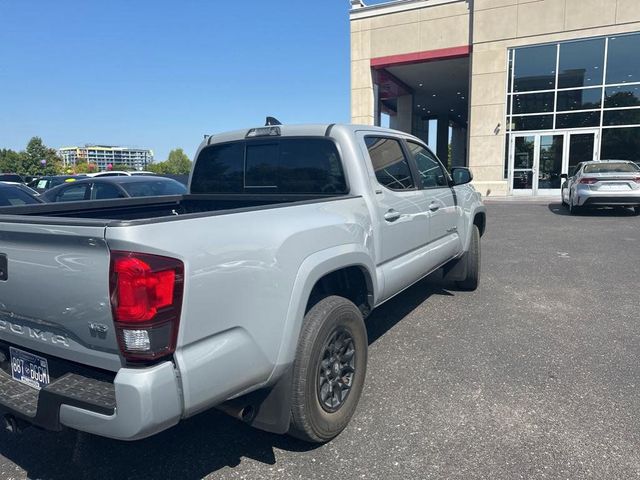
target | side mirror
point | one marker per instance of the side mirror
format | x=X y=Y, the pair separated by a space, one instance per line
x=564 y=176
x=461 y=175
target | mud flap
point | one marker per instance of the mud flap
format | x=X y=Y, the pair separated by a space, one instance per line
x=456 y=270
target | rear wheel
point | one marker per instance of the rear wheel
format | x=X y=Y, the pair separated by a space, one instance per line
x=573 y=209
x=329 y=370
x=636 y=210
x=472 y=257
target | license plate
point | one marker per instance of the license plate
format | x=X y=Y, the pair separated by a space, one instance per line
x=615 y=186
x=29 y=369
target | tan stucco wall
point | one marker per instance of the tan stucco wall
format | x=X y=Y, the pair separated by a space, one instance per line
x=416 y=30
x=501 y=24
x=497 y=26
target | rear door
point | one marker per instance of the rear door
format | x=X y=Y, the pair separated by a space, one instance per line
x=54 y=290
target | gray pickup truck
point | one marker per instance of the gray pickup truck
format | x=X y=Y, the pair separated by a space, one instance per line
x=248 y=294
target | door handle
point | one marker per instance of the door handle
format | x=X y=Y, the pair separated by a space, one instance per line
x=434 y=207
x=392 y=215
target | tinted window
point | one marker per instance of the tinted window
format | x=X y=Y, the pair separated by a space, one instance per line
x=219 y=169
x=10 y=177
x=535 y=122
x=576 y=120
x=533 y=103
x=584 y=99
x=10 y=196
x=621 y=144
x=103 y=191
x=153 y=188
x=622 y=96
x=623 y=59
x=391 y=167
x=535 y=68
x=622 y=117
x=284 y=165
x=73 y=193
x=581 y=63
x=430 y=170
x=611 y=168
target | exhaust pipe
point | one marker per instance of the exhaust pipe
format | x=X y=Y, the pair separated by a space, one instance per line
x=244 y=413
x=14 y=425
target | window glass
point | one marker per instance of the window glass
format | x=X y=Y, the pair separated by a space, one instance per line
x=621 y=144
x=219 y=169
x=285 y=165
x=613 y=167
x=622 y=96
x=103 y=191
x=11 y=196
x=535 y=68
x=73 y=193
x=389 y=163
x=154 y=188
x=583 y=99
x=430 y=170
x=533 y=103
x=577 y=120
x=623 y=59
x=534 y=122
x=581 y=63
x=621 y=117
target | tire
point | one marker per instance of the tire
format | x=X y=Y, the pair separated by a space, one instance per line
x=472 y=257
x=317 y=414
x=564 y=204
x=573 y=209
x=636 y=210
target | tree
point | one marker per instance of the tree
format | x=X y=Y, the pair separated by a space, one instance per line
x=38 y=159
x=178 y=163
x=11 y=161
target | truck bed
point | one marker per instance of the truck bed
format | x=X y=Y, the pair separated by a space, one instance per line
x=149 y=209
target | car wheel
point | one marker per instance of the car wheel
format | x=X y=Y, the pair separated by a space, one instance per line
x=472 y=257
x=636 y=210
x=573 y=209
x=564 y=204
x=329 y=370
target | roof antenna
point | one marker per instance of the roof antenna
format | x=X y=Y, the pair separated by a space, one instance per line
x=272 y=121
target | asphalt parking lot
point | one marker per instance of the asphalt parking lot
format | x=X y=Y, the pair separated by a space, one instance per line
x=535 y=375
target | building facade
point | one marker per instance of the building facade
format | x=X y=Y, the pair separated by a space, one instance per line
x=518 y=90
x=103 y=156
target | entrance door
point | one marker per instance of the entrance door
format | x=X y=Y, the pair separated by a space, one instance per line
x=537 y=160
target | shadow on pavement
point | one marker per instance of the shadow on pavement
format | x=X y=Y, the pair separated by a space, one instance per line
x=559 y=209
x=197 y=447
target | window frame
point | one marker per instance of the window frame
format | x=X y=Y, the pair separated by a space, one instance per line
x=417 y=184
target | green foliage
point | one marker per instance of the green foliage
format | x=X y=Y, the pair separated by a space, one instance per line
x=178 y=163
x=10 y=161
x=40 y=160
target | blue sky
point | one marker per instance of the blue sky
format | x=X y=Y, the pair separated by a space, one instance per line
x=160 y=74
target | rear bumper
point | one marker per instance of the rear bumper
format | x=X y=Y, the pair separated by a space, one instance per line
x=586 y=197
x=138 y=404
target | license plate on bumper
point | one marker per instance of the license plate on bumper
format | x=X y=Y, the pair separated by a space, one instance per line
x=30 y=369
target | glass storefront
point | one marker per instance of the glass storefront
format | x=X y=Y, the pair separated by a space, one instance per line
x=569 y=102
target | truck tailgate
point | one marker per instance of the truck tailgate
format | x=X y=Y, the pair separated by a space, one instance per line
x=54 y=292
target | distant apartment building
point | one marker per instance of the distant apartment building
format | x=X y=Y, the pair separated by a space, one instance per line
x=104 y=155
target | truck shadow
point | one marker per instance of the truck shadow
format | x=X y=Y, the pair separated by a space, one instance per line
x=207 y=443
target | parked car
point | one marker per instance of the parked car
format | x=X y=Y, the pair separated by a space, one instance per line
x=44 y=183
x=11 y=177
x=15 y=195
x=119 y=173
x=24 y=188
x=249 y=294
x=102 y=188
x=605 y=183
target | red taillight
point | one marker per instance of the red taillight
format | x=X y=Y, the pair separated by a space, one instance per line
x=588 y=181
x=146 y=299
x=637 y=179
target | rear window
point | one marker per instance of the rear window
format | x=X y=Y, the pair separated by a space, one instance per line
x=620 y=167
x=10 y=177
x=10 y=196
x=285 y=165
x=154 y=188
